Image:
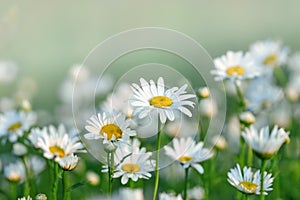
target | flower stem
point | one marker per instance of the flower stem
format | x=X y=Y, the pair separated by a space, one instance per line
x=55 y=181
x=13 y=189
x=240 y=95
x=27 y=179
x=157 y=161
x=262 y=170
x=242 y=152
x=250 y=156
x=65 y=182
x=185 y=183
x=110 y=163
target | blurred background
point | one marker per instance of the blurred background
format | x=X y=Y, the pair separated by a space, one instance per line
x=44 y=39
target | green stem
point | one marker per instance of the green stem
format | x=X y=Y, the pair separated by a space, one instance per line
x=262 y=169
x=186 y=182
x=13 y=189
x=65 y=182
x=250 y=156
x=246 y=196
x=27 y=179
x=240 y=95
x=157 y=162
x=55 y=181
x=242 y=152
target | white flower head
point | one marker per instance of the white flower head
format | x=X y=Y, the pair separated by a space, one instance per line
x=15 y=172
x=131 y=194
x=8 y=71
x=151 y=97
x=269 y=53
x=111 y=127
x=19 y=149
x=57 y=142
x=169 y=196
x=235 y=66
x=69 y=162
x=135 y=165
x=13 y=124
x=25 y=198
x=188 y=153
x=92 y=178
x=263 y=142
x=248 y=182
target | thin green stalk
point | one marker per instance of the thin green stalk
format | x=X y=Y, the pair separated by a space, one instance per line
x=262 y=170
x=241 y=158
x=186 y=182
x=27 y=179
x=55 y=181
x=246 y=196
x=157 y=161
x=250 y=156
x=240 y=95
x=109 y=174
x=65 y=183
x=13 y=190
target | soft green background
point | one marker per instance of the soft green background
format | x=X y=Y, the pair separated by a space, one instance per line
x=46 y=37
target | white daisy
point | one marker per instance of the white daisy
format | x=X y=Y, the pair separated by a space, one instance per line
x=169 y=196
x=57 y=143
x=269 y=53
x=249 y=182
x=131 y=162
x=92 y=178
x=111 y=127
x=234 y=66
x=131 y=194
x=69 y=162
x=188 y=153
x=265 y=143
x=13 y=124
x=15 y=172
x=24 y=198
x=153 y=97
x=8 y=71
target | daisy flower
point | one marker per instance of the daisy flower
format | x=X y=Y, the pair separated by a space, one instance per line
x=132 y=162
x=15 y=172
x=264 y=143
x=234 y=66
x=24 y=198
x=13 y=124
x=154 y=97
x=129 y=193
x=68 y=163
x=248 y=182
x=57 y=143
x=111 y=127
x=169 y=196
x=188 y=153
x=269 y=53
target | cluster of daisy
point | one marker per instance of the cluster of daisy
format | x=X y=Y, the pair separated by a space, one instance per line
x=258 y=77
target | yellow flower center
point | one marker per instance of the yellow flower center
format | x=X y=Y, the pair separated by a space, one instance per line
x=15 y=126
x=14 y=178
x=271 y=59
x=160 y=101
x=235 y=70
x=185 y=158
x=130 y=168
x=57 y=151
x=249 y=186
x=111 y=130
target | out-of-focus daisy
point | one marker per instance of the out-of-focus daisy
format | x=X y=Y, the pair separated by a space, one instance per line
x=133 y=163
x=203 y=92
x=25 y=198
x=269 y=53
x=131 y=194
x=263 y=142
x=182 y=128
x=40 y=197
x=219 y=142
x=188 y=153
x=14 y=123
x=69 y=162
x=118 y=100
x=111 y=127
x=57 y=143
x=8 y=71
x=261 y=93
x=169 y=196
x=15 y=172
x=248 y=182
x=235 y=66
x=6 y=104
x=247 y=118
x=208 y=108
x=294 y=62
x=151 y=97
x=37 y=164
x=19 y=149
x=92 y=178
x=196 y=193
